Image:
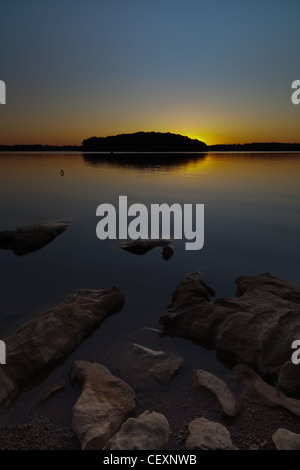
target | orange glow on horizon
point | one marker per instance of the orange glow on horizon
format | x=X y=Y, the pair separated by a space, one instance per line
x=74 y=135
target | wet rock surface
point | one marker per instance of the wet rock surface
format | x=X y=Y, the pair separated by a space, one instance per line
x=52 y=336
x=25 y=240
x=105 y=403
x=146 y=360
x=256 y=328
x=51 y=392
x=150 y=364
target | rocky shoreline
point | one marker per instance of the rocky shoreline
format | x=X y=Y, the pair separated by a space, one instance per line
x=252 y=334
x=252 y=430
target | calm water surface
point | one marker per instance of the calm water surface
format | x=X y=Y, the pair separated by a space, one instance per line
x=252 y=225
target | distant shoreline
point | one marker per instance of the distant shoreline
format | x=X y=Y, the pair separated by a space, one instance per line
x=252 y=148
x=152 y=142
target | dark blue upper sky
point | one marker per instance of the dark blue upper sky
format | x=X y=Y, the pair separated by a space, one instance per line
x=218 y=70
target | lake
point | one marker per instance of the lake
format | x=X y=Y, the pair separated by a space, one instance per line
x=252 y=225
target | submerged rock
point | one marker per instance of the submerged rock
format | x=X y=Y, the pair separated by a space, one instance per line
x=258 y=391
x=104 y=404
x=50 y=392
x=145 y=360
x=149 y=431
x=161 y=366
x=257 y=327
x=213 y=392
x=52 y=335
x=208 y=435
x=27 y=239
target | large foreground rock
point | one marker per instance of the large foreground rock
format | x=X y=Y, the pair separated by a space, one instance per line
x=258 y=391
x=286 y=440
x=27 y=239
x=104 y=404
x=149 y=431
x=208 y=435
x=256 y=328
x=214 y=392
x=52 y=335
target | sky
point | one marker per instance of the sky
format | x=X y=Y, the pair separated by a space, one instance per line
x=217 y=70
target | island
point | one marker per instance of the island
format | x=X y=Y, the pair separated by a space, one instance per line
x=144 y=142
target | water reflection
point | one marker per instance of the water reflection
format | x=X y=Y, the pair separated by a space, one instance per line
x=144 y=160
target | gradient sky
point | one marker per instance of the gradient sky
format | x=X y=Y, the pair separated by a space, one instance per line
x=217 y=70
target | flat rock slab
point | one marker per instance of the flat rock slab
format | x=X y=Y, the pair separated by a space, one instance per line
x=286 y=440
x=24 y=240
x=208 y=435
x=105 y=403
x=258 y=391
x=52 y=336
x=257 y=327
x=214 y=392
x=149 y=431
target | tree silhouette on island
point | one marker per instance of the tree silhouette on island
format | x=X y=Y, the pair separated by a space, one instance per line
x=144 y=142
x=153 y=142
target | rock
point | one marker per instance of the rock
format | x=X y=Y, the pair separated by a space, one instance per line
x=208 y=435
x=149 y=431
x=256 y=328
x=286 y=440
x=51 y=336
x=215 y=393
x=289 y=377
x=258 y=391
x=167 y=252
x=161 y=366
x=103 y=406
x=27 y=239
x=145 y=360
x=49 y=393
x=140 y=247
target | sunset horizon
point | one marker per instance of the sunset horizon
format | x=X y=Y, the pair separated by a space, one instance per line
x=149 y=66
x=199 y=138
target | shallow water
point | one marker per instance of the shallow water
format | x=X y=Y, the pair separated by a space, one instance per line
x=252 y=225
